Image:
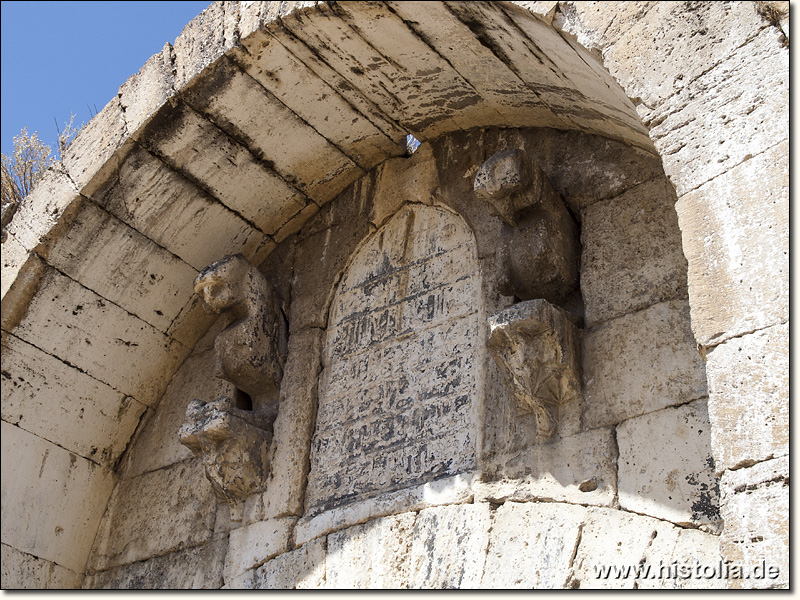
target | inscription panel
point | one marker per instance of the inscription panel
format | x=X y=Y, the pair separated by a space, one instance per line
x=398 y=394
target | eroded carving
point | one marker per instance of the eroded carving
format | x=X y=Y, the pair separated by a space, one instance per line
x=536 y=347
x=233 y=435
x=538 y=248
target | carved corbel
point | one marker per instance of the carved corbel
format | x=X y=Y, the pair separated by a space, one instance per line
x=537 y=253
x=233 y=435
x=536 y=347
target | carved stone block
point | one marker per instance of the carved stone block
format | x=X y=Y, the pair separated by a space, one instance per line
x=538 y=248
x=536 y=347
x=232 y=436
x=234 y=449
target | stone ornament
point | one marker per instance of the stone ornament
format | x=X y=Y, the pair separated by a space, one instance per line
x=536 y=347
x=538 y=249
x=233 y=435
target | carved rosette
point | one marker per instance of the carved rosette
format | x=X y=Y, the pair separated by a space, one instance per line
x=536 y=347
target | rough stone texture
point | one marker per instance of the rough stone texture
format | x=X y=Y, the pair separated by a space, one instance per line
x=448 y=548
x=157 y=444
x=398 y=393
x=531 y=546
x=251 y=545
x=640 y=363
x=57 y=527
x=536 y=347
x=147 y=90
x=295 y=425
x=755 y=506
x=63 y=405
x=736 y=237
x=666 y=469
x=89 y=154
x=692 y=548
x=303 y=568
x=21 y=571
x=67 y=320
x=328 y=240
x=120 y=264
x=41 y=210
x=195 y=568
x=749 y=398
x=13 y=259
x=581 y=469
x=176 y=214
x=632 y=254
x=615 y=538
x=402 y=180
x=448 y=490
x=154 y=514
x=372 y=555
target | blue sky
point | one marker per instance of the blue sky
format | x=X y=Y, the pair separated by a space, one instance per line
x=60 y=58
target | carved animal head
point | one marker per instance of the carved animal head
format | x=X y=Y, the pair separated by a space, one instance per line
x=225 y=284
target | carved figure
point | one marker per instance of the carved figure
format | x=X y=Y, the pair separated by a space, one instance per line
x=538 y=247
x=536 y=347
x=233 y=435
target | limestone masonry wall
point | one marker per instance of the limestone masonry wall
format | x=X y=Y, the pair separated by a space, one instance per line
x=552 y=339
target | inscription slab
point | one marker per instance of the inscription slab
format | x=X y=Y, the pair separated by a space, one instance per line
x=398 y=393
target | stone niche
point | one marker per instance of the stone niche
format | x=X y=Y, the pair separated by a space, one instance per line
x=398 y=396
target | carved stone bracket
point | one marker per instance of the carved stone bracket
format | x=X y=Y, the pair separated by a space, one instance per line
x=234 y=450
x=537 y=253
x=536 y=347
x=233 y=436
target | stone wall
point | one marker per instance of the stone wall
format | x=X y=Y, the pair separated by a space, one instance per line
x=311 y=101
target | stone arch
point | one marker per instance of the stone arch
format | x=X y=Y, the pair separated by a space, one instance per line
x=127 y=186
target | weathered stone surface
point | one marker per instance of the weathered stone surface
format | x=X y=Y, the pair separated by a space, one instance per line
x=736 y=237
x=632 y=255
x=59 y=403
x=448 y=548
x=251 y=545
x=120 y=264
x=21 y=571
x=580 y=469
x=154 y=514
x=372 y=555
x=204 y=39
x=89 y=153
x=297 y=152
x=640 y=363
x=615 y=538
x=153 y=198
x=147 y=90
x=303 y=568
x=157 y=444
x=401 y=180
x=678 y=570
x=295 y=424
x=317 y=102
x=732 y=119
x=448 y=490
x=666 y=469
x=41 y=210
x=195 y=568
x=537 y=349
x=57 y=527
x=326 y=244
x=755 y=506
x=13 y=258
x=749 y=398
x=531 y=546
x=398 y=393
x=69 y=321
x=227 y=169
